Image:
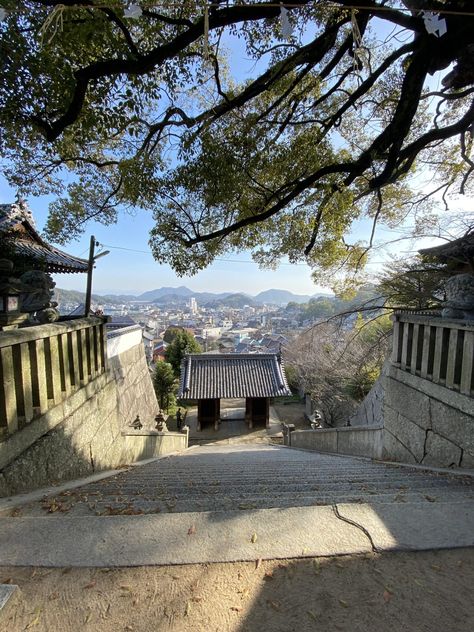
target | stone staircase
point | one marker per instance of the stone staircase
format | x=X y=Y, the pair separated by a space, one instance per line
x=246 y=477
x=224 y=503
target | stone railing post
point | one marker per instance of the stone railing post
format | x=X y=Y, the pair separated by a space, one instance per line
x=436 y=349
x=43 y=365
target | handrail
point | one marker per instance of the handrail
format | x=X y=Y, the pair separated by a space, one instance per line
x=43 y=365
x=435 y=349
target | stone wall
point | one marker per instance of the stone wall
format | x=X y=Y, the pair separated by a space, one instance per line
x=361 y=441
x=426 y=423
x=89 y=431
x=370 y=411
x=407 y=419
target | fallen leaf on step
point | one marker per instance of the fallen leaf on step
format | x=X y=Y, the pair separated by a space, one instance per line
x=268 y=575
x=192 y=529
x=236 y=608
x=430 y=499
x=312 y=614
x=123 y=587
x=90 y=584
x=34 y=621
x=253 y=539
x=8 y=580
x=188 y=609
x=53 y=595
x=343 y=603
x=435 y=567
x=258 y=562
x=276 y=605
x=387 y=595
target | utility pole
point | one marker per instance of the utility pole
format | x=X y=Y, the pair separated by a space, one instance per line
x=92 y=259
x=87 y=307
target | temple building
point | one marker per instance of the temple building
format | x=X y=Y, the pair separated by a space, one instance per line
x=23 y=243
x=26 y=263
x=255 y=377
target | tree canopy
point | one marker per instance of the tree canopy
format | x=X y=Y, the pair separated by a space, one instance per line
x=163 y=382
x=109 y=112
x=183 y=343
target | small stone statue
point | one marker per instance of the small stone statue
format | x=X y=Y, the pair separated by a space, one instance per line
x=460 y=297
x=136 y=423
x=38 y=297
x=160 y=422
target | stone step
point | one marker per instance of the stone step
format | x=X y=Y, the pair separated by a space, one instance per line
x=204 y=478
x=296 y=486
x=277 y=468
x=256 y=477
x=222 y=503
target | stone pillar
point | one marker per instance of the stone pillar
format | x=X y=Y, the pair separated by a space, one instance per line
x=249 y=411
x=217 y=413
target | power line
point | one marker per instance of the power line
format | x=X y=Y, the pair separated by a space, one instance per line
x=282 y=263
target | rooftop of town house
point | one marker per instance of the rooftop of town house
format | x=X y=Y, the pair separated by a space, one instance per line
x=228 y=375
x=17 y=222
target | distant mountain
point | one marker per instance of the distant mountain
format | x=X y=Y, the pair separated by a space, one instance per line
x=179 y=296
x=74 y=296
x=68 y=296
x=232 y=300
x=115 y=299
x=280 y=297
x=171 y=299
x=152 y=295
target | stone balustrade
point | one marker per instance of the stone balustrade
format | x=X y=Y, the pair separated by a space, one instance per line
x=41 y=366
x=435 y=349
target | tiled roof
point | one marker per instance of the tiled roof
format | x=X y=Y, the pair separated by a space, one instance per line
x=13 y=214
x=28 y=243
x=459 y=249
x=227 y=375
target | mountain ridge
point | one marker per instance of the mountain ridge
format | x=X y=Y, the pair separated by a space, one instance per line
x=182 y=294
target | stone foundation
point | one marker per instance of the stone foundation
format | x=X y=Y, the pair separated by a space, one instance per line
x=406 y=419
x=426 y=423
x=89 y=431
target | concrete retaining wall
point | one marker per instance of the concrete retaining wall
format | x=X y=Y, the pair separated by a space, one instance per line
x=142 y=445
x=404 y=418
x=355 y=441
x=89 y=431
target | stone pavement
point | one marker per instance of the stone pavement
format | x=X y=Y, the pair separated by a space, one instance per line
x=242 y=502
x=232 y=427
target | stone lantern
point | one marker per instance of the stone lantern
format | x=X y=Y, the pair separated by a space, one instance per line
x=160 y=422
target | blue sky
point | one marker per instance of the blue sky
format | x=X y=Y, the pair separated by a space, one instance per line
x=125 y=270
